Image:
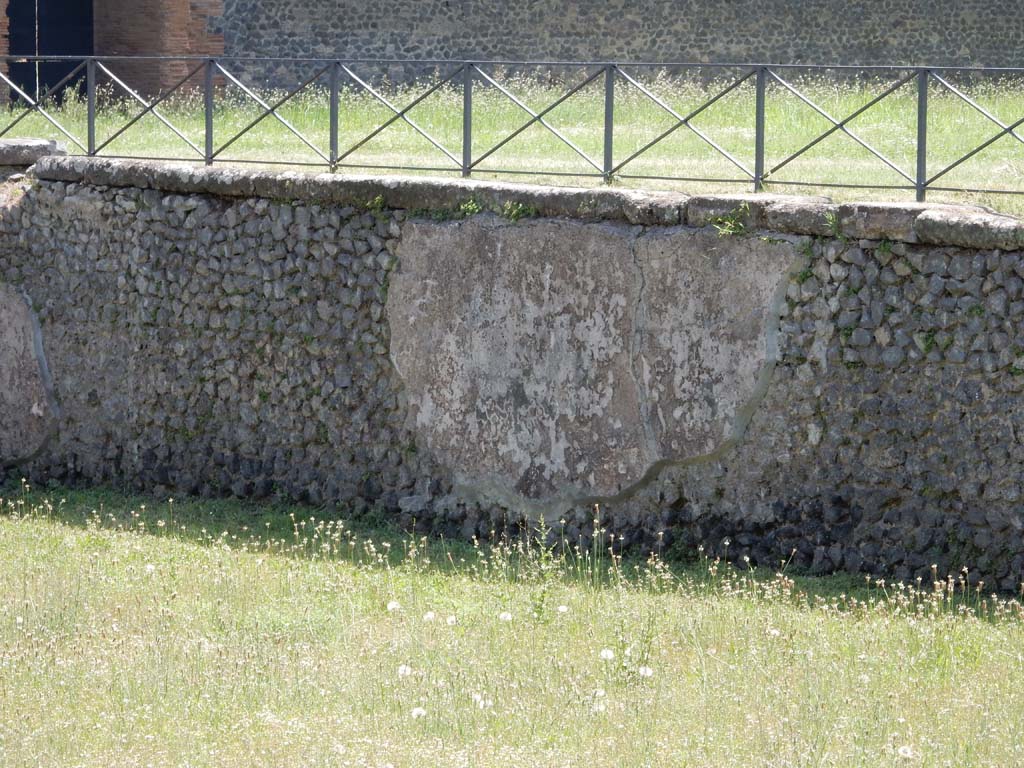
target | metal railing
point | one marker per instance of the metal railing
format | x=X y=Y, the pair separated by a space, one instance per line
x=757 y=167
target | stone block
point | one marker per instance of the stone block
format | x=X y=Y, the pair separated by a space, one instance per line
x=885 y=221
x=22 y=153
x=969 y=228
x=801 y=216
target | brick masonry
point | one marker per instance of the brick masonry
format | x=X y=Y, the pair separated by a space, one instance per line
x=4 y=41
x=156 y=28
x=204 y=35
x=149 y=28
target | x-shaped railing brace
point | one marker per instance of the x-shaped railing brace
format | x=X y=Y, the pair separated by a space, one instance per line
x=537 y=117
x=1007 y=129
x=34 y=106
x=841 y=125
x=149 y=108
x=270 y=110
x=684 y=121
x=400 y=114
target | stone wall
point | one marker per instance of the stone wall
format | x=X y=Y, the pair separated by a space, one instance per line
x=938 y=32
x=218 y=345
x=837 y=386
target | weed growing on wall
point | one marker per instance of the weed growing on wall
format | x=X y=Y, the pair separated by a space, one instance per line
x=733 y=223
x=513 y=210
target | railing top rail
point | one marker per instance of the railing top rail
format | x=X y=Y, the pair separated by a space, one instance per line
x=321 y=133
x=524 y=62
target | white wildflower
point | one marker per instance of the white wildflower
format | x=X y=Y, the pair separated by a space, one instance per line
x=481 y=702
x=607 y=654
x=418 y=712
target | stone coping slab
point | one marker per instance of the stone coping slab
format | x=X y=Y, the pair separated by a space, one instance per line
x=931 y=223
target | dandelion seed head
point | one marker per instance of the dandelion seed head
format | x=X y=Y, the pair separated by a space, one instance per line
x=451 y=621
x=393 y=605
x=645 y=672
x=404 y=670
x=505 y=616
x=563 y=609
x=607 y=654
x=418 y=712
x=429 y=616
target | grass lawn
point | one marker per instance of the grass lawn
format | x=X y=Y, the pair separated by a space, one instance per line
x=186 y=633
x=954 y=129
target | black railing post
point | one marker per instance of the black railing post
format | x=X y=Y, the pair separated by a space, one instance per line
x=335 y=106
x=90 y=97
x=759 y=88
x=609 y=122
x=467 y=119
x=922 y=135
x=208 y=108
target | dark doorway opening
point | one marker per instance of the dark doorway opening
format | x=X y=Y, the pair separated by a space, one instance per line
x=48 y=28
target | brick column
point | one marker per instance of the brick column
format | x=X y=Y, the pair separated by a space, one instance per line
x=203 y=41
x=154 y=28
x=5 y=47
x=5 y=32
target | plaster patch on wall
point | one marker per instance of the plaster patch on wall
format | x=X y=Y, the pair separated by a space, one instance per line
x=711 y=319
x=552 y=361
x=28 y=408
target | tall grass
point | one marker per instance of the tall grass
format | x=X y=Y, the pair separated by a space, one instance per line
x=219 y=634
x=890 y=127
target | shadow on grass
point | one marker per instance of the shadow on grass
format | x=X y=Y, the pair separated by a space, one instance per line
x=236 y=523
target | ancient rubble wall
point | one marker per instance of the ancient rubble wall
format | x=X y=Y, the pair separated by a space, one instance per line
x=773 y=378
